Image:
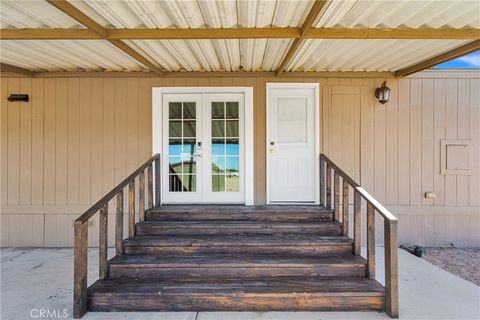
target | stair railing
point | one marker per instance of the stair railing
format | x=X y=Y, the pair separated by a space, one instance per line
x=80 y=267
x=327 y=167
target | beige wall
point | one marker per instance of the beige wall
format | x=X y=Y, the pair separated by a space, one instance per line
x=78 y=137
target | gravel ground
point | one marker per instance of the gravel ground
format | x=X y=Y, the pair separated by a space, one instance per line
x=462 y=262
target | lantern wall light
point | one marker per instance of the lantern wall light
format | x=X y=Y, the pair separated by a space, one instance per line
x=383 y=93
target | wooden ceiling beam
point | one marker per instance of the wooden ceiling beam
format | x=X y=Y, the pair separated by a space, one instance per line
x=239 y=33
x=452 y=54
x=307 y=25
x=72 y=11
x=17 y=70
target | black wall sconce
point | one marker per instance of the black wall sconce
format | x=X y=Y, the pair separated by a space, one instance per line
x=383 y=93
x=18 y=97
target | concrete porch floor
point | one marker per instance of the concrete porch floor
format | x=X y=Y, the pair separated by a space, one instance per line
x=35 y=278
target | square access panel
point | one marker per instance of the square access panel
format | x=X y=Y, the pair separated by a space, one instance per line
x=456 y=157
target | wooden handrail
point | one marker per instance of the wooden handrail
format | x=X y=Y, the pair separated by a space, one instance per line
x=390 y=225
x=80 y=267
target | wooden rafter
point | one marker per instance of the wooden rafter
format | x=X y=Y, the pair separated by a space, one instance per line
x=239 y=33
x=452 y=54
x=307 y=25
x=14 y=69
x=88 y=22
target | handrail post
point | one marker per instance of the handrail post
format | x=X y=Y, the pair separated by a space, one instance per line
x=322 y=182
x=391 y=268
x=370 y=241
x=149 y=186
x=329 y=187
x=345 y=201
x=157 y=182
x=131 y=209
x=103 y=242
x=141 y=196
x=336 y=196
x=357 y=220
x=80 y=269
x=119 y=224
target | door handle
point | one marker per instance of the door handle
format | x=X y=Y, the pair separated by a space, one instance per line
x=272 y=143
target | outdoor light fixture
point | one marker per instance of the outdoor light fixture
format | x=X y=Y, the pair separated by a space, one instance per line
x=383 y=93
x=15 y=97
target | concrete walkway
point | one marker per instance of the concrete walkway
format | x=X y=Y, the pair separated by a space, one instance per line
x=36 y=279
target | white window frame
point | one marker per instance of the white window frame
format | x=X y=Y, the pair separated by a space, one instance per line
x=157 y=120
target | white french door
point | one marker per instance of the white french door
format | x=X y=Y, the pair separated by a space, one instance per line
x=292 y=143
x=203 y=148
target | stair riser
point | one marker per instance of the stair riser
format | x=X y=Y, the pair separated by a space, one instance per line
x=323 y=250
x=233 y=302
x=153 y=230
x=239 y=216
x=232 y=272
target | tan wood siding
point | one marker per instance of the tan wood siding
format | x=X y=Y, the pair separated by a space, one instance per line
x=78 y=137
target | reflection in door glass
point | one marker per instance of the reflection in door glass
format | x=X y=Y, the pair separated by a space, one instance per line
x=225 y=147
x=182 y=147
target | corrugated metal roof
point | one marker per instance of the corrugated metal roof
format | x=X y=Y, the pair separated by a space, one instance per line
x=232 y=55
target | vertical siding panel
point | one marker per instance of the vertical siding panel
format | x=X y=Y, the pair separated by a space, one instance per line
x=356 y=142
x=26 y=230
x=336 y=129
x=427 y=230
x=13 y=176
x=451 y=133
x=108 y=135
x=96 y=189
x=133 y=125
x=463 y=132
x=5 y=228
x=4 y=146
x=25 y=197
x=391 y=153
x=475 y=137
x=326 y=96
x=380 y=117
x=120 y=130
x=367 y=132
x=15 y=224
x=348 y=134
x=404 y=142
x=37 y=142
x=439 y=134
x=451 y=230
x=145 y=119
x=61 y=141
x=416 y=142
x=73 y=141
x=85 y=130
x=49 y=161
x=427 y=139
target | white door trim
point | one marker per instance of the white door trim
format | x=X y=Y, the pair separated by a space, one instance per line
x=157 y=134
x=316 y=87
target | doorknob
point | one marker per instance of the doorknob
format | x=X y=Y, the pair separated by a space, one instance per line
x=272 y=143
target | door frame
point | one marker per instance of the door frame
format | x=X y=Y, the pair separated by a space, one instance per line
x=157 y=120
x=316 y=87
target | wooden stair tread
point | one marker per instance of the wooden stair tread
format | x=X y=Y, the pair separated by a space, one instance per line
x=256 y=240
x=233 y=261
x=240 y=224
x=238 y=208
x=328 y=287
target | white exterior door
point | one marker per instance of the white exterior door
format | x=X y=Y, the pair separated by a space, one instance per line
x=203 y=148
x=292 y=144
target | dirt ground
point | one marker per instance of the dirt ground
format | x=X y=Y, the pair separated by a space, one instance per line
x=462 y=262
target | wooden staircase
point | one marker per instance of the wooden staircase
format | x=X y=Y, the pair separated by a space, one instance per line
x=235 y=258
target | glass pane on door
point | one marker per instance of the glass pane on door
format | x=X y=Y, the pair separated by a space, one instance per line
x=225 y=147
x=182 y=146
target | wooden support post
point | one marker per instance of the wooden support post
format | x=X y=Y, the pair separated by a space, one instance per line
x=391 y=268
x=357 y=220
x=80 y=269
x=329 y=187
x=322 y=182
x=119 y=224
x=345 y=201
x=131 y=209
x=103 y=242
x=141 y=196
x=149 y=187
x=157 y=182
x=336 y=196
x=370 y=241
